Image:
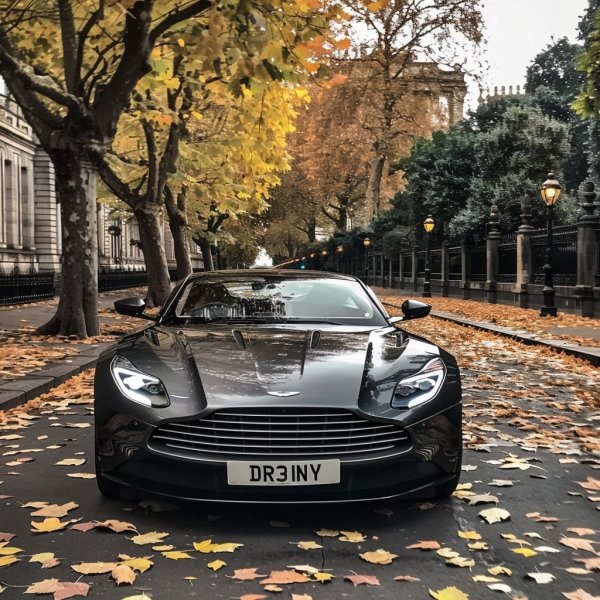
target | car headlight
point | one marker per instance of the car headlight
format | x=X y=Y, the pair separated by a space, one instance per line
x=424 y=385
x=138 y=386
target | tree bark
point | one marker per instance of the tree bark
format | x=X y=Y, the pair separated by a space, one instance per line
x=179 y=230
x=374 y=187
x=153 y=247
x=207 y=257
x=77 y=312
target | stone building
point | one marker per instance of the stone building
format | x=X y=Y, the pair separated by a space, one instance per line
x=30 y=232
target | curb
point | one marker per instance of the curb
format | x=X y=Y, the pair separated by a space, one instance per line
x=587 y=353
x=21 y=390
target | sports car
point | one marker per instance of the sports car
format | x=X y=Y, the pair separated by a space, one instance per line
x=277 y=386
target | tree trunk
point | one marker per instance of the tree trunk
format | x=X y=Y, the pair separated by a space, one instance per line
x=153 y=247
x=374 y=188
x=207 y=257
x=179 y=231
x=77 y=312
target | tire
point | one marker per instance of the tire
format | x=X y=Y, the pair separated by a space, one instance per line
x=446 y=489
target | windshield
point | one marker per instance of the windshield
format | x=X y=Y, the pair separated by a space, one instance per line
x=269 y=299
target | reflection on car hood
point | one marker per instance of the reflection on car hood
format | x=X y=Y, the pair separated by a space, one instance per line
x=248 y=363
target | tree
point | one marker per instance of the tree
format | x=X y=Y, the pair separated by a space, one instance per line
x=587 y=103
x=401 y=33
x=75 y=90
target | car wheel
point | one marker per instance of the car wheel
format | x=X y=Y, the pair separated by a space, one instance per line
x=108 y=488
x=445 y=490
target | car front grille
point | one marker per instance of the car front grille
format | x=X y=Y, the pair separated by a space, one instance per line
x=282 y=432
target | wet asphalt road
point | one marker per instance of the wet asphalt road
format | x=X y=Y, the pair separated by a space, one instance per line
x=523 y=409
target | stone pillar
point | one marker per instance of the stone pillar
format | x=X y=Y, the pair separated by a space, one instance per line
x=400 y=270
x=524 y=257
x=465 y=267
x=491 y=256
x=391 y=273
x=27 y=205
x=47 y=233
x=382 y=267
x=587 y=253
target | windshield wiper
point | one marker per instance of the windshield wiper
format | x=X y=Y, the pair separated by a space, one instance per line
x=303 y=320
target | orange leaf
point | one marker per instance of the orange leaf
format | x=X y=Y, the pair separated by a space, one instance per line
x=425 y=545
x=282 y=577
x=362 y=579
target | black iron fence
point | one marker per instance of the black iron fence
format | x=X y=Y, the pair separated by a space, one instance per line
x=563 y=257
x=20 y=288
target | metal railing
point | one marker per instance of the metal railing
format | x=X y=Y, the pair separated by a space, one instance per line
x=21 y=288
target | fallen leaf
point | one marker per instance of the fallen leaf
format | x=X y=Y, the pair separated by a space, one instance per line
x=352 y=536
x=48 y=525
x=215 y=565
x=581 y=531
x=459 y=561
x=246 y=574
x=114 y=525
x=579 y=594
x=578 y=544
x=176 y=555
x=123 y=574
x=500 y=570
x=494 y=515
x=310 y=545
x=425 y=545
x=96 y=568
x=447 y=553
x=41 y=557
x=327 y=533
x=141 y=564
x=206 y=547
x=70 y=462
x=503 y=587
x=591 y=484
x=469 y=535
x=47 y=586
x=539 y=518
x=301 y=597
x=379 y=557
x=8 y=560
x=449 y=593
x=250 y=597
x=285 y=577
x=541 y=577
x=362 y=579
x=526 y=552
x=55 y=510
x=408 y=578
x=70 y=589
x=81 y=475
x=153 y=537
x=322 y=577
x=482 y=499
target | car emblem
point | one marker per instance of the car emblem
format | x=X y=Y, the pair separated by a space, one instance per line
x=283 y=394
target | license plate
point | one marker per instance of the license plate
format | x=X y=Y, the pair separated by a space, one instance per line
x=283 y=473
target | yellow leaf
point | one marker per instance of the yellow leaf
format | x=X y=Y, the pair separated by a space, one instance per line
x=55 y=510
x=327 y=533
x=8 y=550
x=215 y=565
x=485 y=579
x=96 y=568
x=8 y=560
x=526 y=552
x=138 y=564
x=81 y=475
x=48 y=525
x=41 y=557
x=449 y=593
x=459 y=561
x=197 y=115
x=123 y=574
x=500 y=570
x=180 y=42
x=310 y=545
x=469 y=535
x=352 y=536
x=323 y=577
x=153 y=537
x=379 y=557
x=206 y=547
x=176 y=555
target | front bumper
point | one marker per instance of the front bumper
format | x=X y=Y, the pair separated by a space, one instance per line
x=432 y=458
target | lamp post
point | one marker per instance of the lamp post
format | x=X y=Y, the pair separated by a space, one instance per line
x=550 y=192
x=322 y=260
x=428 y=226
x=367 y=245
x=339 y=251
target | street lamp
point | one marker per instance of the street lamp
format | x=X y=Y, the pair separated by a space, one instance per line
x=367 y=245
x=550 y=192
x=340 y=250
x=428 y=226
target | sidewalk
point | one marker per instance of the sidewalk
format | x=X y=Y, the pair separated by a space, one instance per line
x=573 y=335
x=32 y=365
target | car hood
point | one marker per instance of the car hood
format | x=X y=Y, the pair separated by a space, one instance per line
x=257 y=363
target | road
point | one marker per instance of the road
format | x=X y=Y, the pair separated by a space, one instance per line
x=531 y=449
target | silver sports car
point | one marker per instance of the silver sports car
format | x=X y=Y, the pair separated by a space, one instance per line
x=277 y=386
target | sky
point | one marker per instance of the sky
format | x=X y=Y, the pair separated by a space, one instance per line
x=517 y=30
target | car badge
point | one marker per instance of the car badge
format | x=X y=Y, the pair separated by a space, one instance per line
x=283 y=394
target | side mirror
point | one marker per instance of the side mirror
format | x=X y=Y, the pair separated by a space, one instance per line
x=413 y=309
x=132 y=307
